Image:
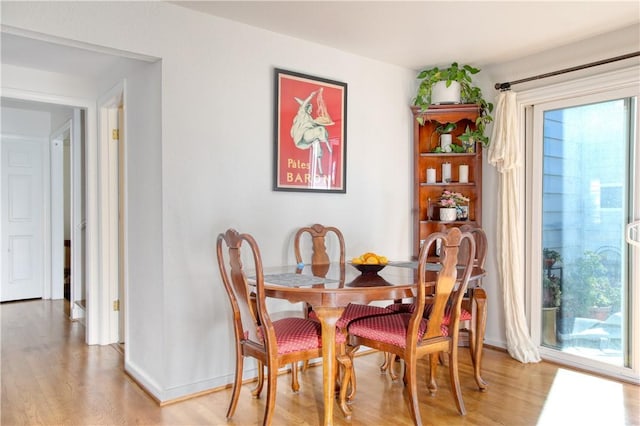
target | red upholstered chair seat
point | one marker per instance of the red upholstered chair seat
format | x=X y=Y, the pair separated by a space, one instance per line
x=410 y=307
x=390 y=329
x=299 y=334
x=354 y=311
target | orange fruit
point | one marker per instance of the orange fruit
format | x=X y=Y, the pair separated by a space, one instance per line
x=372 y=260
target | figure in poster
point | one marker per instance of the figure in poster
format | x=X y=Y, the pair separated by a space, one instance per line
x=310 y=133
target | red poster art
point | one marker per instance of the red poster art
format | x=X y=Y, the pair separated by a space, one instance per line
x=310 y=133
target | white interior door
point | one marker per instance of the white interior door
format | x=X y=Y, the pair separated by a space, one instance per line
x=22 y=219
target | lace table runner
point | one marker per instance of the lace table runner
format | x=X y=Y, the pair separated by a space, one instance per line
x=290 y=279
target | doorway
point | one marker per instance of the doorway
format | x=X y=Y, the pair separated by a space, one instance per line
x=584 y=176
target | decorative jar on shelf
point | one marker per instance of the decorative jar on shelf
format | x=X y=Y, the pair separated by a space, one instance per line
x=462 y=212
x=448 y=214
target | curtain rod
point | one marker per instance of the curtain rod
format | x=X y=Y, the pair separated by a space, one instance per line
x=507 y=86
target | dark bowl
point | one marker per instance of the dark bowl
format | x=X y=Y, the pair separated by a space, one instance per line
x=368 y=269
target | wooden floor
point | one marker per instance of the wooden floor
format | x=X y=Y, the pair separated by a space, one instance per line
x=50 y=377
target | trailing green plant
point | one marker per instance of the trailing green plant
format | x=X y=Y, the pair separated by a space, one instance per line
x=446 y=128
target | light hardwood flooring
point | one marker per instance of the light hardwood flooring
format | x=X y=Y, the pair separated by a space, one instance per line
x=50 y=377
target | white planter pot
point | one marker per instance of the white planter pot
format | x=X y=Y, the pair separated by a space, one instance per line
x=441 y=94
x=445 y=142
x=448 y=214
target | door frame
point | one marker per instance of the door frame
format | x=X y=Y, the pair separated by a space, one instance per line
x=56 y=160
x=113 y=160
x=620 y=80
x=95 y=305
x=78 y=220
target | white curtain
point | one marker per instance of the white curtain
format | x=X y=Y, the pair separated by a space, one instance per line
x=505 y=155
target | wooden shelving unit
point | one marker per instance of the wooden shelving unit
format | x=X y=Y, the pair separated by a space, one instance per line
x=426 y=195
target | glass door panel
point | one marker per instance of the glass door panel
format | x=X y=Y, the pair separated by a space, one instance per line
x=586 y=203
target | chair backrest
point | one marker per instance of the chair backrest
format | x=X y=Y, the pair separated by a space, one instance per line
x=318 y=234
x=480 y=237
x=251 y=319
x=319 y=256
x=450 y=286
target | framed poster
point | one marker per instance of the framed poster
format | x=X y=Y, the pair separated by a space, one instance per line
x=310 y=133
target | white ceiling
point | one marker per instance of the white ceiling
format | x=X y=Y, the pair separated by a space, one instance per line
x=411 y=34
x=418 y=34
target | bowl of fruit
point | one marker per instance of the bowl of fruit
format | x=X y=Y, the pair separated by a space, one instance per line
x=369 y=263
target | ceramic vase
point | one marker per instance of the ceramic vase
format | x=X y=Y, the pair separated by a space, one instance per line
x=448 y=214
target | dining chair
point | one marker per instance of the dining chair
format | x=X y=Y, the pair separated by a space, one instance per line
x=272 y=344
x=320 y=262
x=468 y=315
x=411 y=336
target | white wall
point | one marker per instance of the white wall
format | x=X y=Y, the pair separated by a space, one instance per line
x=16 y=121
x=215 y=148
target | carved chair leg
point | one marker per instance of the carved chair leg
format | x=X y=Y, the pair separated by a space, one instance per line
x=392 y=363
x=455 y=380
x=387 y=362
x=237 y=385
x=257 y=390
x=412 y=388
x=480 y=299
x=295 y=385
x=433 y=367
x=272 y=382
x=350 y=388
x=346 y=365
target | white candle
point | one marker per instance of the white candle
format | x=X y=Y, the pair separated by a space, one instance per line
x=446 y=172
x=463 y=173
x=431 y=175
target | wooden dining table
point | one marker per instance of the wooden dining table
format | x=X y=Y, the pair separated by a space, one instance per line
x=330 y=288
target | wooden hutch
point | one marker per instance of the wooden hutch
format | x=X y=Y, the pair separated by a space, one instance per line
x=426 y=196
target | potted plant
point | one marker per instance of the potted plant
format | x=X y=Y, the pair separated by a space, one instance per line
x=444 y=129
x=469 y=94
x=453 y=206
x=550 y=257
x=551 y=298
x=588 y=291
x=551 y=291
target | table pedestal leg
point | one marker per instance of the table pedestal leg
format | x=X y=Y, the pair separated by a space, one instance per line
x=328 y=317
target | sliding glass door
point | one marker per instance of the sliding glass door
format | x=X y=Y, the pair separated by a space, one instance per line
x=588 y=189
